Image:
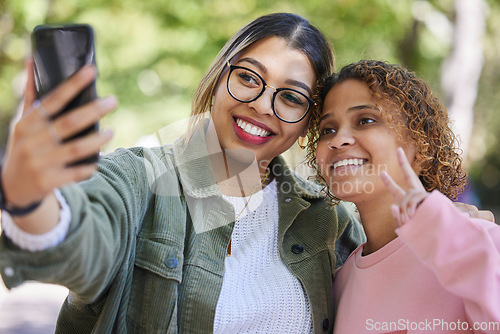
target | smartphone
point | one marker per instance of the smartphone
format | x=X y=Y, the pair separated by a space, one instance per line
x=58 y=52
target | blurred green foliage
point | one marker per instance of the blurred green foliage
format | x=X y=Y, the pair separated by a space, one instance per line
x=151 y=54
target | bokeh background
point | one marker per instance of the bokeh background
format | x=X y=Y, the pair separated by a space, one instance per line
x=151 y=55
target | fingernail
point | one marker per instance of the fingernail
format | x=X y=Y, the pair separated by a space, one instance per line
x=108 y=102
x=107 y=133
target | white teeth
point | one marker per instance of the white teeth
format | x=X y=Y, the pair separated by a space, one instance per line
x=346 y=162
x=247 y=128
x=252 y=129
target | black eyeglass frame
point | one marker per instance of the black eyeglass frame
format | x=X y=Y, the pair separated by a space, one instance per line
x=276 y=91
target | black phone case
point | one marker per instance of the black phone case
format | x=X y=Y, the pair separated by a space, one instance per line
x=58 y=52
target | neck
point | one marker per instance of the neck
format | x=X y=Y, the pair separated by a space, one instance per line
x=378 y=223
x=235 y=178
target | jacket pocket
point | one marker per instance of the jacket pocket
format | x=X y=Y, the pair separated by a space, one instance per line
x=161 y=258
x=154 y=291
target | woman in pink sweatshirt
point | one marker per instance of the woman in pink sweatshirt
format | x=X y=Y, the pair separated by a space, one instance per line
x=383 y=142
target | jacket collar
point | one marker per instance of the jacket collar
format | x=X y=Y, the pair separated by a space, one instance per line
x=192 y=161
x=292 y=183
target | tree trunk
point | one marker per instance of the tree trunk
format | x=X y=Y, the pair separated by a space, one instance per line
x=462 y=69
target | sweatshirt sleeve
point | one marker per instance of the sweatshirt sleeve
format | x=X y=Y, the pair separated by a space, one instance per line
x=464 y=254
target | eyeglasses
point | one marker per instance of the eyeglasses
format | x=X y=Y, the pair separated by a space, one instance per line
x=246 y=85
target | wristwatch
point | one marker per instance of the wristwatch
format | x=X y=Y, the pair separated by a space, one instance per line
x=13 y=210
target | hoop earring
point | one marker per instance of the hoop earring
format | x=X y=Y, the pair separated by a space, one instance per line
x=328 y=144
x=302 y=142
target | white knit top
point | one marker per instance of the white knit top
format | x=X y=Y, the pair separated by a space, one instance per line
x=259 y=294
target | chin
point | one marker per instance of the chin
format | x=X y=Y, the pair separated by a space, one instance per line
x=242 y=155
x=347 y=197
x=347 y=192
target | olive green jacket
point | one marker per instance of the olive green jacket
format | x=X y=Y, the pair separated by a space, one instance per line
x=148 y=238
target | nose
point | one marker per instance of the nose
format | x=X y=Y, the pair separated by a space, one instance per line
x=341 y=139
x=264 y=103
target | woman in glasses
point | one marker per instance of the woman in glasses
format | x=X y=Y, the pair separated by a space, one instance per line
x=213 y=233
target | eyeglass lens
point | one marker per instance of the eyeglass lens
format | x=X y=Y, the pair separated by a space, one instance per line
x=246 y=85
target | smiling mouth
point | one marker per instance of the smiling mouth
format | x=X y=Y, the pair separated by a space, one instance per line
x=349 y=162
x=252 y=129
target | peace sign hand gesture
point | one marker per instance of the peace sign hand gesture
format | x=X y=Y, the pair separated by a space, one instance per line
x=408 y=200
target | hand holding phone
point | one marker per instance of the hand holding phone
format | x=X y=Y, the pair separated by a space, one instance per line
x=58 y=52
x=43 y=152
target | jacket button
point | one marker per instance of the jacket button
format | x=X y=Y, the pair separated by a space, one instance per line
x=326 y=324
x=172 y=262
x=288 y=200
x=297 y=249
x=8 y=271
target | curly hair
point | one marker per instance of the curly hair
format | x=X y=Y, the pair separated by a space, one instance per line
x=425 y=120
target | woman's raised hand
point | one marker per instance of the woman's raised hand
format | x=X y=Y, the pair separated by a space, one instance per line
x=36 y=158
x=407 y=200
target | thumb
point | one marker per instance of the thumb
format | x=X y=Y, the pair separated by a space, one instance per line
x=29 y=90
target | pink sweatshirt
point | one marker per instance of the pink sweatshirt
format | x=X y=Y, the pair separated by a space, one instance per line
x=440 y=275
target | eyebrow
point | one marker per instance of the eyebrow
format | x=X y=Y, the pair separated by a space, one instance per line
x=360 y=107
x=263 y=69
